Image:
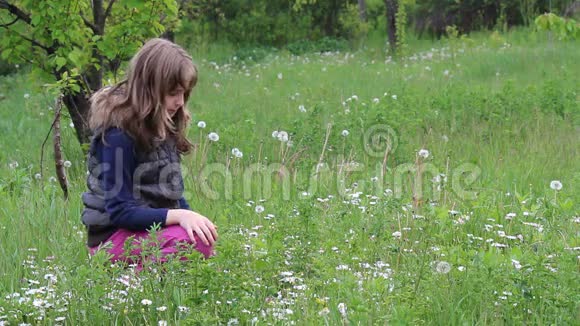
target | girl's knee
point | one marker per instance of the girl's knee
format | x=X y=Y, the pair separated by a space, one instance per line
x=174 y=236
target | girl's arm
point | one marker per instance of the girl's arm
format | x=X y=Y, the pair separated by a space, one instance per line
x=118 y=165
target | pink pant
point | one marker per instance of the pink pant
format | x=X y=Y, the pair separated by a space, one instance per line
x=169 y=238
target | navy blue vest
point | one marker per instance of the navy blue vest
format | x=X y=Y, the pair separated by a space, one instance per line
x=157 y=183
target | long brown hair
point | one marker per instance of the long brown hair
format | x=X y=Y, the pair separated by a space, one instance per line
x=136 y=103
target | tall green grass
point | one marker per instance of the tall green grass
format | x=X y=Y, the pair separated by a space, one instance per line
x=505 y=106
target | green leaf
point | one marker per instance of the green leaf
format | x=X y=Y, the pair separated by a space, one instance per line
x=34 y=20
x=60 y=62
x=6 y=54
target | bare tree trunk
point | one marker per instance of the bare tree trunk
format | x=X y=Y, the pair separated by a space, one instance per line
x=362 y=10
x=169 y=35
x=392 y=8
x=78 y=107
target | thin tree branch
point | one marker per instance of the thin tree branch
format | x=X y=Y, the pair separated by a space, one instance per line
x=89 y=24
x=48 y=49
x=15 y=11
x=10 y=23
x=108 y=10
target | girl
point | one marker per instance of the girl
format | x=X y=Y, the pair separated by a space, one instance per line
x=134 y=179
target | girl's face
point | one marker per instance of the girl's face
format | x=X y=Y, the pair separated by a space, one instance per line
x=174 y=100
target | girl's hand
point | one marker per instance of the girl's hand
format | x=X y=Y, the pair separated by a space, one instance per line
x=193 y=222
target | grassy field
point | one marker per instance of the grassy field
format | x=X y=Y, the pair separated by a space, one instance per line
x=411 y=192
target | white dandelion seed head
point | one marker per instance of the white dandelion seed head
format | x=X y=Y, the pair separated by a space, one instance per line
x=37 y=176
x=233 y=321
x=26 y=95
x=283 y=136
x=394 y=96
x=556 y=185
x=325 y=311
x=259 y=209
x=201 y=124
x=213 y=136
x=397 y=234
x=161 y=309
x=443 y=267
x=516 y=264
x=52 y=179
x=423 y=153
x=237 y=153
x=275 y=134
x=146 y=302
x=67 y=164
x=446 y=72
x=345 y=133
x=162 y=323
x=342 y=308
x=302 y=108
x=376 y=100
x=13 y=165
x=280 y=76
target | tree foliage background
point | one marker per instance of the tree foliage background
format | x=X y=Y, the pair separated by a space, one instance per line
x=79 y=44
